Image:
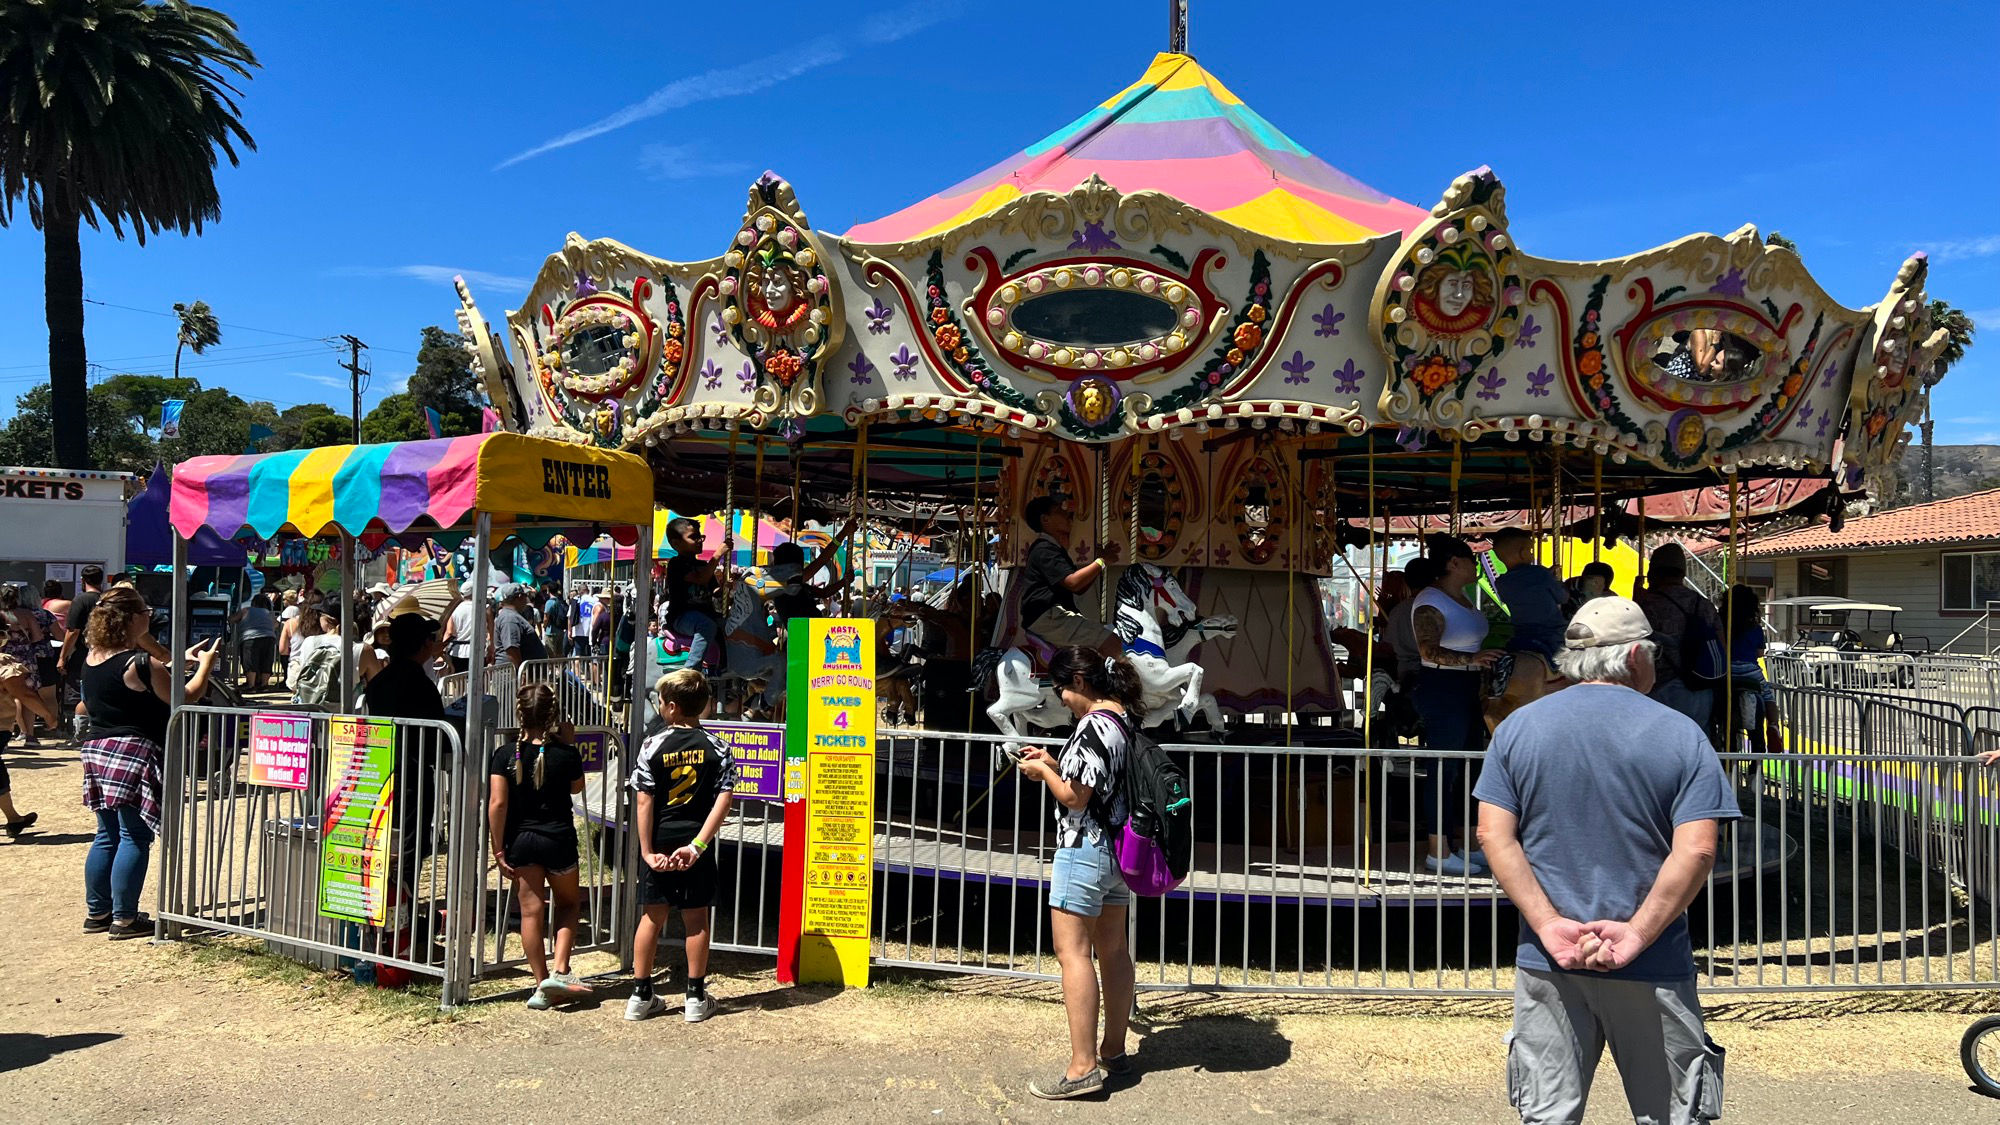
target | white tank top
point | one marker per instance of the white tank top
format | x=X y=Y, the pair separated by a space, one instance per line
x=1464 y=627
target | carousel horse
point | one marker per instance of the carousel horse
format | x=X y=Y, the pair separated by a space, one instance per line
x=1160 y=626
x=1532 y=677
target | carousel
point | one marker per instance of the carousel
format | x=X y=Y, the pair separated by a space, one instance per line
x=1229 y=360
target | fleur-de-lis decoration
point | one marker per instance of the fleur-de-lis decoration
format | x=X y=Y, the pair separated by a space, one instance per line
x=1490 y=384
x=748 y=376
x=1347 y=378
x=1524 y=336
x=1296 y=368
x=862 y=369
x=879 y=316
x=719 y=330
x=1806 y=414
x=711 y=375
x=1328 y=321
x=1539 y=380
x=905 y=361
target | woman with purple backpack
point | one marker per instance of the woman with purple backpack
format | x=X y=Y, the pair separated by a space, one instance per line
x=1088 y=898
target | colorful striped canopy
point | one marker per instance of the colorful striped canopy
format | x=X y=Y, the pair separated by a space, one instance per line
x=388 y=488
x=1177 y=130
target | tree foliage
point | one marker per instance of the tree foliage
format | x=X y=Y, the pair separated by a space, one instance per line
x=445 y=382
x=116 y=114
x=198 y=332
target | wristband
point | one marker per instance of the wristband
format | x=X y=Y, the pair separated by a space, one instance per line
x=698 y=845
x=1099 y=560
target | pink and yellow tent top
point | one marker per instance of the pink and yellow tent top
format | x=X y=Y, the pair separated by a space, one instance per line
x=1179 y=131
x=391 y=488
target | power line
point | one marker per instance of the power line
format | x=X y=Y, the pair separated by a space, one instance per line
x=238 y=327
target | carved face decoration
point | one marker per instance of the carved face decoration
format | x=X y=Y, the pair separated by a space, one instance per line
x=777 y=291
x=777 y=295
x=1454 y=294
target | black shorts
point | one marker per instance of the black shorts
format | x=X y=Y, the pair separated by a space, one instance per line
x=692 y=889
x=555 y=851
x=259 y=653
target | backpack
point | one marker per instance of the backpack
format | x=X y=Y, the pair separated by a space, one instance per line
x=1155 y=845
x=1702 y=663
x=313 y=686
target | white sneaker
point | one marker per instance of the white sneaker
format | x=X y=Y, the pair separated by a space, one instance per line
x=698 y=1008
x=538 y=1000
x=644 y=1007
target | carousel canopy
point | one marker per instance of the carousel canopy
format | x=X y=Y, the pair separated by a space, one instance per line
x=1180 y=131
x=391 y=487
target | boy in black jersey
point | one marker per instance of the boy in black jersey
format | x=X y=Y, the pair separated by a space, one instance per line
x=685 y=782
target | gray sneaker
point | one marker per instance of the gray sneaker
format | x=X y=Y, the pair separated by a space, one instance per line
x=565 y=987
x=1062 y=1086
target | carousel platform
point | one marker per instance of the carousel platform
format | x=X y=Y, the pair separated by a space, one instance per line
x=1232 y=873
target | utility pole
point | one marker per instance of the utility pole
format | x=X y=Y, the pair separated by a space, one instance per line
x=354 y=373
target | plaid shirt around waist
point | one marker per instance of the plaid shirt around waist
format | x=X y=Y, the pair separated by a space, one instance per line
x=123 y=771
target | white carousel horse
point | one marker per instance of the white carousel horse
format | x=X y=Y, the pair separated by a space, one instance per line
x=1160 y=626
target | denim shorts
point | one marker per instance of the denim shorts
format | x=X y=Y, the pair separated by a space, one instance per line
x=1087 y=879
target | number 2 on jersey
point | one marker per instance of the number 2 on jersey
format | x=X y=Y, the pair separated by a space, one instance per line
x=680 y=785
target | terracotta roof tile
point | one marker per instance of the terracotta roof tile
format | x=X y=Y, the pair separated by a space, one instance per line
x=1974 y=518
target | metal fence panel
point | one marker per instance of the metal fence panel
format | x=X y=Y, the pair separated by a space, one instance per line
x=246 y=859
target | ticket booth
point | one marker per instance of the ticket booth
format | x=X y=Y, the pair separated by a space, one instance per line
x=59 y=520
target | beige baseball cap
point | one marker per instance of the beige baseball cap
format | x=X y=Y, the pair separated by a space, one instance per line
x=1607 y=621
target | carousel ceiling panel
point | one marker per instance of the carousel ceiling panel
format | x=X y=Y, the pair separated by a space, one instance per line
x=1710 y=352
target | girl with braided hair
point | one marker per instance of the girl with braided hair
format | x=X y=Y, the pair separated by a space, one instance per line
x=533 y=830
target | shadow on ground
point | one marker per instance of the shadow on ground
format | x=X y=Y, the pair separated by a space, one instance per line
x=20 y=1051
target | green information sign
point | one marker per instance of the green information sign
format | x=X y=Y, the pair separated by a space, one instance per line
x=354 y=831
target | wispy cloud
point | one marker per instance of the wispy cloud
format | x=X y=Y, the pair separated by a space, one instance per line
x=1988 y=319
x=752 y=76
x=684 y=162
x=436 y=275
x=1961 y=249
x=323 y=380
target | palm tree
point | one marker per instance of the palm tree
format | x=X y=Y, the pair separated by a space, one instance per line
x=114 y=114
x=199 y=331
x=1958 y=336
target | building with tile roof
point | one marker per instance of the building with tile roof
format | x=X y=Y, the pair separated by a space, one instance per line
x=1939 y=561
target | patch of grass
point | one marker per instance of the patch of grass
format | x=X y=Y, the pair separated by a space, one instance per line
x=248 y=959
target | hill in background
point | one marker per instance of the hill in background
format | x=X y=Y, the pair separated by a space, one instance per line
x=1960 y=469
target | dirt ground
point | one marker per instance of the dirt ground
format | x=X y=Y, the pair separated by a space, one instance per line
x=98 y=1031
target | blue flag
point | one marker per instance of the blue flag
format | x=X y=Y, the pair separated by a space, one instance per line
x=434 y=422
x=170 y=417
x=258 y=432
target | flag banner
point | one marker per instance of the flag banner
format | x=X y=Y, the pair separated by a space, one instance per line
x=170 y=417
x=434 y=422
x=258 y=433
x=489 y=420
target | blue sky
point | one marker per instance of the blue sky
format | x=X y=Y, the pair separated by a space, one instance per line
x=402 y=142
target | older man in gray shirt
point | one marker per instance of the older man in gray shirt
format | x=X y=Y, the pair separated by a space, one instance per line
x=1598 y=811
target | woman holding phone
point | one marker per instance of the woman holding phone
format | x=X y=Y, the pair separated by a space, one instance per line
x=126 y=693
x=1088 y=898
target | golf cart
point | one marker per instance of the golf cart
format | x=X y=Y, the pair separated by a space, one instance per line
x=1844 y=643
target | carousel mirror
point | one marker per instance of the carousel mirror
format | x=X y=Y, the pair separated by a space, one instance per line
x=1257 y=518
x=1152 y=508
x=1094 y=317
x=593 y=349
x=1708 y=355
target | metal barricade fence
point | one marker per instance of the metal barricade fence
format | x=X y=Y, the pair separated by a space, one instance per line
x=578 y=682
x=247 y=858
x=1310 y=872
x=1864 y=859
x=1964 y=681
